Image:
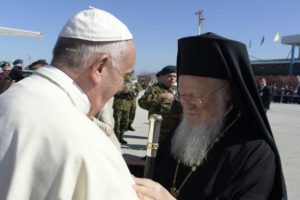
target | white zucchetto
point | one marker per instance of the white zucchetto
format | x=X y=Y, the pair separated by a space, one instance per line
x=95 y=25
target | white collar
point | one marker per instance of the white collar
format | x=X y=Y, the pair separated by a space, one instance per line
x=78 y=97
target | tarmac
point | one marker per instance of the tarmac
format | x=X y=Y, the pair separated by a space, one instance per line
x=285 y=124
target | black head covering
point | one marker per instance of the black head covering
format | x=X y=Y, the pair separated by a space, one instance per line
x=166 y=70
x=38 y=62
x=210 y=55
x=18 y=61
x=4 y=64
x=200 y=56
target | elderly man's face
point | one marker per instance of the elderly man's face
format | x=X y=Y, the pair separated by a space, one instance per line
x=198 y=96
x=168 y=80
x=123 y=71
x=101 y=80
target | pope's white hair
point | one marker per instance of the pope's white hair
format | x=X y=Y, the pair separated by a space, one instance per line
x=75 y=53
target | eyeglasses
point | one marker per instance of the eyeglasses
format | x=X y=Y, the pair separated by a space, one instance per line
x=199 y=100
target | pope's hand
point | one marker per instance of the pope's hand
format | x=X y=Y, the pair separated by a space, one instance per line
x=147 y=189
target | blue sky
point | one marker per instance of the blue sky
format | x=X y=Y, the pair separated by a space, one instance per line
x=155 y=24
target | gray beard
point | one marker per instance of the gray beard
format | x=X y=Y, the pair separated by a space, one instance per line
x=190 y=145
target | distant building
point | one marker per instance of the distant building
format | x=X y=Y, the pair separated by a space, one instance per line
x=277 y=71
x=281 y=72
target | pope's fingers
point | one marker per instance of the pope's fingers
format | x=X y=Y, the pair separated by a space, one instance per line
x=146 y=187
x=142 y=192
x=143 y=181
x=151 y=190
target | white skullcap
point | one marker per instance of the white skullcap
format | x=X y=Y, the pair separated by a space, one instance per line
x=95 y=25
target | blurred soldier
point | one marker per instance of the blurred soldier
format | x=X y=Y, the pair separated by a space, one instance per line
x=16 y=73
x=160 y=98
x=6 y=68
x=132 y=103
x=143 y=83
x=5 y=80
x=37 y=64
x=121 y=108
x=265 y=93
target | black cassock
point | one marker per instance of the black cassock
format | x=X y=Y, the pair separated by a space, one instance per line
x=240 y=166
x=266 y=96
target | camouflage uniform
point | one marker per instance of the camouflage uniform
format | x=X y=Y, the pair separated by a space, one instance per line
x=171 y=112
x=137 y=88
x=121 y=106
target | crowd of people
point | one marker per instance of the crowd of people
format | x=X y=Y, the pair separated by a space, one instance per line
x=285 y=94
x=215 y=143
x=278 y=93
x=10 y=74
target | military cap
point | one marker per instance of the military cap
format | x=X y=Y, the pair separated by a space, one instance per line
x=166 y=70
x=18 y=61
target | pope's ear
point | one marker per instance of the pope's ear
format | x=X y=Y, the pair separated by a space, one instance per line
x=97 y=66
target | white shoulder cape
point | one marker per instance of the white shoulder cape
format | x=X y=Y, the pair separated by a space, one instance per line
x=50 y=150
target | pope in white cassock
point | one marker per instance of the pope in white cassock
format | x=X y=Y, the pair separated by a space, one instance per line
x=49 y=146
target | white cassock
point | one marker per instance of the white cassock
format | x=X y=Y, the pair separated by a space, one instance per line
x=50 y=149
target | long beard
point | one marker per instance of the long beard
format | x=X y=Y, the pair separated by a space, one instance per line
x=190 y=145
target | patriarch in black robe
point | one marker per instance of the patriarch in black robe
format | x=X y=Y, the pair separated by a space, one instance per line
x=224 y=147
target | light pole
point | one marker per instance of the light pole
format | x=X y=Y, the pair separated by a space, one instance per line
x=200 y=21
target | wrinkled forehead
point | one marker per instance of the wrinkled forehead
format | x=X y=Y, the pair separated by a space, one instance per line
x=173 y=74
x=197 y=84
x=128 y=59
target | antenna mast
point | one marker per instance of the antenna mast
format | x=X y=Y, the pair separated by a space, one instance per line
x=200 y=20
